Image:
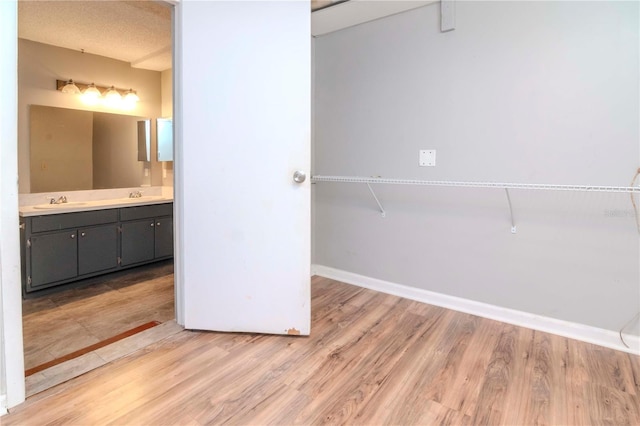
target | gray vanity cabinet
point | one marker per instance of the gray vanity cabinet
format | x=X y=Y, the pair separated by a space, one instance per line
x=60 y=248
x=137 y=241
x=54 y=257
x=97 y=249
x=163 y=237
x=147 y=233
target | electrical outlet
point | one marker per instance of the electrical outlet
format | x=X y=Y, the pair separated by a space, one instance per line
x=427 y=157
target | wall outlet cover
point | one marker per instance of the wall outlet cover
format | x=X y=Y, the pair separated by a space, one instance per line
x=427 y=157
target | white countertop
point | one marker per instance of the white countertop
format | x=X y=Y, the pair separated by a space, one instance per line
x=81 y=206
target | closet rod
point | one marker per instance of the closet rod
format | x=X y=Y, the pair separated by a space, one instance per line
x=501 y=185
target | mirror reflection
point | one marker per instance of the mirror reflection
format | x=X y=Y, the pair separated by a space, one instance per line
x=165 y=139
x=79 y=150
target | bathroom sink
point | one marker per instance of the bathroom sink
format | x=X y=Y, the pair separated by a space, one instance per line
x=61 y=205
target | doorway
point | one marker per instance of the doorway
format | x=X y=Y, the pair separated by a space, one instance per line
x=67 y=325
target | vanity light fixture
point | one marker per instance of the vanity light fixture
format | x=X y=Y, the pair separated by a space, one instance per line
x=92 y=94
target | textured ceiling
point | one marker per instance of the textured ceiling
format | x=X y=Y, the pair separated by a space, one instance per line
x=138 y=32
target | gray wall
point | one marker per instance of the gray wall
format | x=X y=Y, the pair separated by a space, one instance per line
x=527 y=92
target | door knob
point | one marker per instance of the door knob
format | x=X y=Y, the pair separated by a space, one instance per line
x=299 y=176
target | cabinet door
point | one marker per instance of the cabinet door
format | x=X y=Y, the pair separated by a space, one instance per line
x=97 y=249
x=164 y=237
x=54 y=257
x=137 y=241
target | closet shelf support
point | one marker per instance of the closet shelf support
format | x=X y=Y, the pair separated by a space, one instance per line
x=513 y=223
x=382 y=212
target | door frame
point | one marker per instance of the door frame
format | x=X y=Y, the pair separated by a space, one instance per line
x=12 y=378
x=12 y=386
x=178 y=169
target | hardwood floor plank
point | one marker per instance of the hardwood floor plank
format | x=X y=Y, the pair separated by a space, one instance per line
x=522 y=381
x=436 y=414
x=615 y=407
x=577 y=374
x=497 y=379
x=400 y=395
x=463 y=392
x=371 y=359
x=378 y=353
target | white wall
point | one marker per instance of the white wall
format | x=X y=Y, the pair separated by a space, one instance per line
x=11 y=358
x=40 y=65
x=531 y=92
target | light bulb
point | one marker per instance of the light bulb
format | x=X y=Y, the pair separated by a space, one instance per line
x=112 y=98
x=91 y=94
x=130 y=99
x=71 y=88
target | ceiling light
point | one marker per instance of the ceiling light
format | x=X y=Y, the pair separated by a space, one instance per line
x=70 y=87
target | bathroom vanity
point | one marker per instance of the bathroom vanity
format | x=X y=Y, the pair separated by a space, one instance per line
x=72 y=241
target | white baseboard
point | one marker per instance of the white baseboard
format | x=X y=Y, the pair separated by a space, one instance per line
x=3 y=405
x=585 y=333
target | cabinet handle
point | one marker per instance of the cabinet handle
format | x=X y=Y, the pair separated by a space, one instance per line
x=151 y=223
x=73 y=235
x=158 y=224
x=82 y=234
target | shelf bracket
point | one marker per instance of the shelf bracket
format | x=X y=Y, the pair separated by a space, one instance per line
x=513 y=224
x=382 y=212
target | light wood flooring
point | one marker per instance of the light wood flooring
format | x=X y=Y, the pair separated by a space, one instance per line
x=371 y=359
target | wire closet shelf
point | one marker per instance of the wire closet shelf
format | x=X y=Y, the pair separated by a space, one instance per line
x=460 y=184
x=499 y=185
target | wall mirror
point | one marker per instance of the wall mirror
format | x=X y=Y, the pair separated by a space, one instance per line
x=78 y=150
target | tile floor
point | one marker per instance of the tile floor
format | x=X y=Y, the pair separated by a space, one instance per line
x=62 y=322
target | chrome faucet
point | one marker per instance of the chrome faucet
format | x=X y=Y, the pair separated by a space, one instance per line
x=61 y=200
x=136 y=194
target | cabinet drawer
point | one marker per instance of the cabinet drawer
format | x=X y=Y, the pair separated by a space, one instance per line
x=144 y=212
x=56 y=222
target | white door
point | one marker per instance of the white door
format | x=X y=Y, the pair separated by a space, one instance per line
x=244 y=225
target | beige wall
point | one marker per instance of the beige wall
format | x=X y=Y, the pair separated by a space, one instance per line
x=39 y=66
x=167 y=92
